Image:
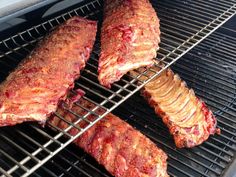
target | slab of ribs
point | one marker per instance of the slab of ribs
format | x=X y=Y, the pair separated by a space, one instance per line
x=120 y=148
x=129 y=38
x=33 y=90
x=188 y=118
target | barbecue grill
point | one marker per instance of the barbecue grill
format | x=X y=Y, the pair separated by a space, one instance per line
x=192 y=31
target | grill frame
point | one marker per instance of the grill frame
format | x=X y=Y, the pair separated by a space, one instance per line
x=168 y=54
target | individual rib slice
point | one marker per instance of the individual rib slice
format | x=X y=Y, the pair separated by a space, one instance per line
x=129 y=38
x=33 y=90
x=121 y=149
x=187 y=117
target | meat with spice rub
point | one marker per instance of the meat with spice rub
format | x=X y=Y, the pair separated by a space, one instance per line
x=121 y=149
x=129 y=38
x=33 y=90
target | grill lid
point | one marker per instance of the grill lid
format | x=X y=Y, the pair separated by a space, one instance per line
x=15 y=8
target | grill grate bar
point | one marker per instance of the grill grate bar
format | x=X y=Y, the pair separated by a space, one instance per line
x=68 y=122
x=221 y=152
x=223 y=143
x=220 y=55
x=204 y=13
x=227 y=44
x=4 y=172
x=45 y=170
x=187 y=165
x=69 y=161
x=73 y=165
x=211 y=66
x=106 y=100
x=226 y=137
x=187 y=73
x=184 y=66
x=64 y=171
x=209 y=8
x=58 y=129
x=217 y=5
x=225 y=124
x=96 y=84
x=33 y=141
x=196 y=21
x=208 y=64
x=179 y=169
x=207 y=96
x=45 y=134
x=227 y=50
x=13 y=160
x=14 y=50
x=212 y=153
x=20 y=148
x=226 y=38
x=115 y=84
x=225 y=77
x=190 y=24
x=197 y=154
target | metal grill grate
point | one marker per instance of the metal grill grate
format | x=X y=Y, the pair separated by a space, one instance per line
x=25 y=148
x=213 y=157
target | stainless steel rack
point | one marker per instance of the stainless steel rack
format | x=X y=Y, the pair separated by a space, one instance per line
x=183 y=24
x=203 y=70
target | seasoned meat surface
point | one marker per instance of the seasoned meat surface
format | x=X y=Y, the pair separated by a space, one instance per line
x=121 y=149
x=33 y=90
x=187 y=117
x=129 y=38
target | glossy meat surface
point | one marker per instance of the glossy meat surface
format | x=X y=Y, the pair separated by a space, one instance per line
x=187 y=117
x=33 y=90
x=129 y=38
x=121 y=149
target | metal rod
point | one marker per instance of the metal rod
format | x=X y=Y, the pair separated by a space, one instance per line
x=13 y=160
x=4 y=172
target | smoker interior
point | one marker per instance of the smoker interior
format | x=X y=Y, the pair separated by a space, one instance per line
x=208 y=68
